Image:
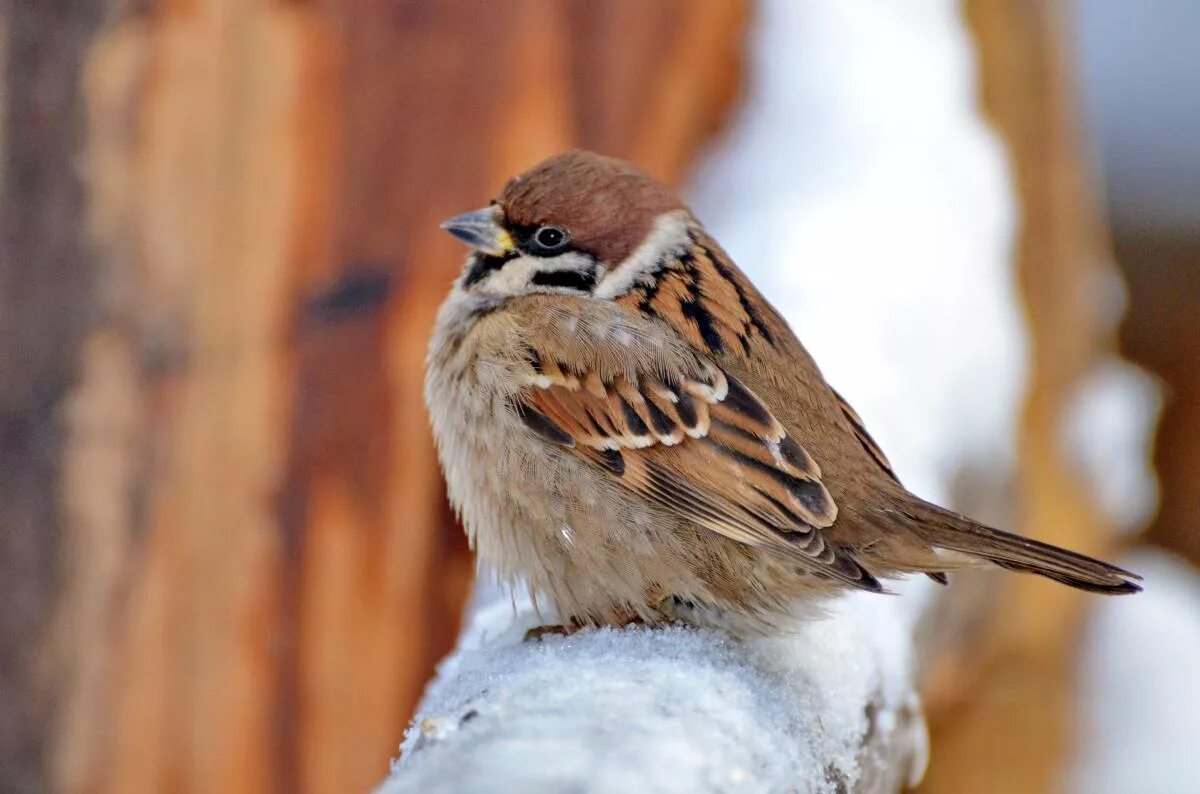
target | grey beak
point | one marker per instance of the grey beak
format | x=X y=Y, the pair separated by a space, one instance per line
x=482 y=231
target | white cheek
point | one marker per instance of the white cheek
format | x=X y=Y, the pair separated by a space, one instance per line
x=670 y=233
x=512 y=278
x=571 y=260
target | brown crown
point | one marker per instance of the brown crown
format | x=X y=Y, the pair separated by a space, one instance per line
x=607 y=205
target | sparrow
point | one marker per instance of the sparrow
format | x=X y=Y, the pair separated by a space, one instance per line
x=627 y=425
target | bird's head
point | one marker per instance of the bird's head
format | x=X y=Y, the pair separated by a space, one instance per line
x=577 y=223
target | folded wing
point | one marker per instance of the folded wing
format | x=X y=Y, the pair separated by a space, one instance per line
x=695 y=441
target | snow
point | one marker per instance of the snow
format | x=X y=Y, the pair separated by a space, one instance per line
x=670 y=710
x=1139 y=690
x=866 y=196
x=1108 y=438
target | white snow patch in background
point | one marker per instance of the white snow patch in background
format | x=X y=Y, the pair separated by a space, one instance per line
x=669 y=710
x=1109 y=434
x=1139 y=690
x=864 y=194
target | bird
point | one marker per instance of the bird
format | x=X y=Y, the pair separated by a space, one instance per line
x=630 y=429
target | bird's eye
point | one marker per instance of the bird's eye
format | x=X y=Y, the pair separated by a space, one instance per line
x=550 y=239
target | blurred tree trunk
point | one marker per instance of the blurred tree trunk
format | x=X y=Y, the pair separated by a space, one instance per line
x=1002 y=721
x=224 y=552
x=47 y=305
x=1162 y=333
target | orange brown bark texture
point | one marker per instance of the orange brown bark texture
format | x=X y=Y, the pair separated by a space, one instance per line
x=227 y=556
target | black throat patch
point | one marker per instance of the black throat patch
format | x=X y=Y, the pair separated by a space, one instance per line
x=481 y=265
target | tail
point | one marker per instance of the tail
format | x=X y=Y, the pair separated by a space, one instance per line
x=944 y=529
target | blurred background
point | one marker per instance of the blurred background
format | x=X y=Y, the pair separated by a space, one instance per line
x=226 y=562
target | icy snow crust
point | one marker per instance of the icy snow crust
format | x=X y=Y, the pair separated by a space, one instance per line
x=1138 y=696
x=672 y=710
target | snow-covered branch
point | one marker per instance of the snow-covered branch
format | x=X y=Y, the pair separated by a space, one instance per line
x=829 y=708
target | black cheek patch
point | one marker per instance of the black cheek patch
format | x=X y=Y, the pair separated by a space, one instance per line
x=570 y=279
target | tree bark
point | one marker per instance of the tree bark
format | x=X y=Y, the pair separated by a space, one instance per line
x=226 y=558
x=48 y=302
x=1161 y=333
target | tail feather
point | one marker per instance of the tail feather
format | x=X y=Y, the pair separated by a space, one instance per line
x=948 y=530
